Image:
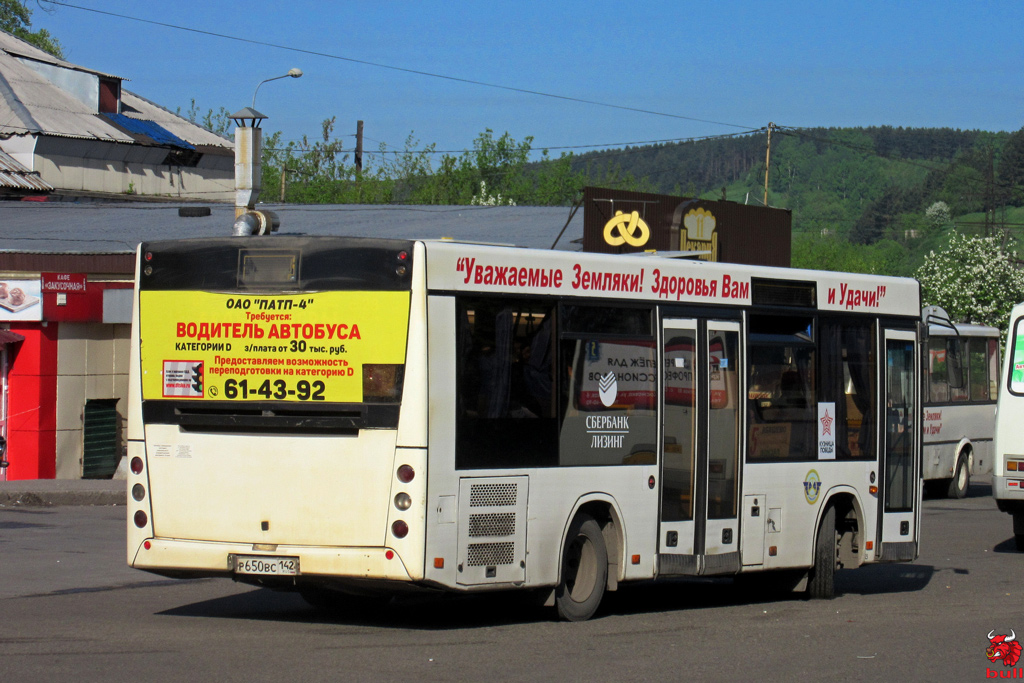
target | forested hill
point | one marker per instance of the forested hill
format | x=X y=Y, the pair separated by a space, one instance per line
x=865 y=184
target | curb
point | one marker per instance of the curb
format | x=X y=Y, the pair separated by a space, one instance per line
x=37 y=497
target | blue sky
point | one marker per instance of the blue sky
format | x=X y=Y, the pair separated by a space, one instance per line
x=736 y=62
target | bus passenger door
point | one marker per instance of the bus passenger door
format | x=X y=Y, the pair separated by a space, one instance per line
x=679 y=447
x=698 y=533
x=900 y=469
x=721 y=441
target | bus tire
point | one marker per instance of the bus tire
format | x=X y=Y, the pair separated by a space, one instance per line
x=821 y=583
x=584 y=570
x=961 y=480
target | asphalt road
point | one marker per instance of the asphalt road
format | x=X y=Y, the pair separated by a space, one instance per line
x=70 y=609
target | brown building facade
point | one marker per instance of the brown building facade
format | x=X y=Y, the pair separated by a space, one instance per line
x=619 y=222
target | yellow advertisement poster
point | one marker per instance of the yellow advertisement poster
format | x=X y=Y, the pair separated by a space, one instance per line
x=288 y=347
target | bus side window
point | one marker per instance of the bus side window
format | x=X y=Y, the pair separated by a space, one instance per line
x=938 y=371
x=505 y=367
x=954 y=366
x=977 y=369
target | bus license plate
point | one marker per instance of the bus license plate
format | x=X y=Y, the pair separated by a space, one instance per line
x=262 y=564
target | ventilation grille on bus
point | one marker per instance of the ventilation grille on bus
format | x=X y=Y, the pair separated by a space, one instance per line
x=488 y=495
x=493 y=524
x=490 y=554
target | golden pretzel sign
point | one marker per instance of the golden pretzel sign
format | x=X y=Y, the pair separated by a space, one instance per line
x=626 y=229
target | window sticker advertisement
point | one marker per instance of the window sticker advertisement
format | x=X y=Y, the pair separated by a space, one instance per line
x=303 y=347
x=1017 y=368
x=20 y=300
x=826 y=431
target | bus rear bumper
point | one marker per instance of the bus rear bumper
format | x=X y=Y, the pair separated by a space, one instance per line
x=1009 y=492
x=181 y=558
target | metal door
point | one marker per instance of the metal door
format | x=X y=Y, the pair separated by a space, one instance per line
x=900 y=467
x=698 y=533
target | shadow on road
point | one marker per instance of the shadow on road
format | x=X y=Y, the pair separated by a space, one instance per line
x=444 y=611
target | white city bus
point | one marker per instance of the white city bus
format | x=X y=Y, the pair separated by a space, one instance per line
x=359 y=417
x=1008 y=465
x=961 y=387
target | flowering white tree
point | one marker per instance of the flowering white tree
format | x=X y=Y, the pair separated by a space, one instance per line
x=973 y=279
x=484 y=199
x=938 y=215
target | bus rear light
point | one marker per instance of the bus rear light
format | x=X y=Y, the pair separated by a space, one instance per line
x=140 y=519
x=873 y=490
x=403 y=501
x=635 y=559
x=438 y=563
x=400 y=271
x=147 y=545
x=403 y=255
x=136 y=465
x=1013 y=465
x=869 y=545
x=400 y=529
x=389 y=555
x=773 y=550
x=406 y=474
x=138 y=492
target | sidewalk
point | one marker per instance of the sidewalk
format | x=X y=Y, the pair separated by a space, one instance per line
x=51 y=492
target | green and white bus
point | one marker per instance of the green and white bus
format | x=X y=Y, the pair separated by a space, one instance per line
x=1008 y=467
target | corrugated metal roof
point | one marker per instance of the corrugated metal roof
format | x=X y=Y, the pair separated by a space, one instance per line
x=154 y=132
x=79 y=228
x=8 y=337
x=32 y=105
x=14 y=175
x=14 y=46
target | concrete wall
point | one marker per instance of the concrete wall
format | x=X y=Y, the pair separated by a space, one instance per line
x=120 y=177
x=92 y=362
x=119 y=168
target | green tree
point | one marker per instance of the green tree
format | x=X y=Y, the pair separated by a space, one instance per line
x=973 y=279
x=1011 y=169
x=218 y=122
x=16 y=19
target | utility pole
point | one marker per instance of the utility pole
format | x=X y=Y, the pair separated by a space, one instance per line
x=767 y=161
x=359 y=147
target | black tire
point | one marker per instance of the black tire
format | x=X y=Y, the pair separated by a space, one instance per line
x=821 y=584
x=193 y=211
x=936 y=488
x=961 y=480
x=1019 y=540
x=584 y=570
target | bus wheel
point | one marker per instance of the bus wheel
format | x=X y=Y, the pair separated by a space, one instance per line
x=821 y=584
x=961 y=478
x=1018 y=530
x=584 y=570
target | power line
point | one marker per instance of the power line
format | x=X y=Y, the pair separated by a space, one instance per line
x=457 y=79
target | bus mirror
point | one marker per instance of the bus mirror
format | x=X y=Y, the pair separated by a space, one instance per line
x=954 y=366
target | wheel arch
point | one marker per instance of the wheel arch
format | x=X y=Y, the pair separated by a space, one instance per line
x=850 y=522
x=605 y=510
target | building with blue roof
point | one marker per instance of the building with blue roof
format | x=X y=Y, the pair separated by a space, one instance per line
x=70 y=131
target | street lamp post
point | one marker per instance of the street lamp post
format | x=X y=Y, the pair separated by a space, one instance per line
x=248 y=143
